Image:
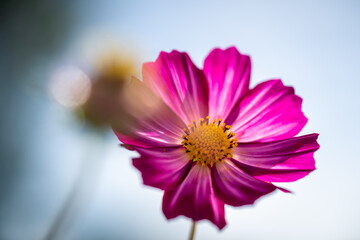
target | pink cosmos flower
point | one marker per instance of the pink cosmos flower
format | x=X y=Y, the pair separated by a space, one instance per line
x=188 y=149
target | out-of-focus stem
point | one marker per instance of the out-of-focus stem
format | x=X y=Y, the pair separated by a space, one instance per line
x=88 y=172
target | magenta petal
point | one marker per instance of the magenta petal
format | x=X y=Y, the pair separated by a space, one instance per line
x=268 y=112
x=195 y=198
x=181 y=85
x=235 y=187
x=228 y=75
x=130 y=141
x=150 y=123
x=279 y=161
x=163 y=168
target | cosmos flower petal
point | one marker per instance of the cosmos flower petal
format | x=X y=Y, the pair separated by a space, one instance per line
x=150 y=122
x=195 y=198
x=278 y=161
x=270 y=111
x=228 y=75
x=162 y=168
x=182 y=86
x=276 y=175
x=235 y=187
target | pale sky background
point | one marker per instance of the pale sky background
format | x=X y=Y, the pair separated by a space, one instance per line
x=313 y=46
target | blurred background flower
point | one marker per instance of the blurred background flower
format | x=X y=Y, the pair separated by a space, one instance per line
x=99 y=102
x=310 y=45
x=105 y=105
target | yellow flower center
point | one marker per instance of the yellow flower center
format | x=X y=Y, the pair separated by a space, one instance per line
x=208 y=142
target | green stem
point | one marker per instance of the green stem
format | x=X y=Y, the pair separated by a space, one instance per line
x=192 y=233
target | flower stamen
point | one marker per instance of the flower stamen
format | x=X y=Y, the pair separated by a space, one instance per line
x=208 y=143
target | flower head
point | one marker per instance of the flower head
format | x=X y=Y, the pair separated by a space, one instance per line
x=207 y=140
x=105 y=104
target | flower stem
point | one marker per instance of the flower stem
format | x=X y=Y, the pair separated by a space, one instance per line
x=83 y=185
x=192 y=233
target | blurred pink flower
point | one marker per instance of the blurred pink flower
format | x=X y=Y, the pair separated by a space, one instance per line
x=187 y=150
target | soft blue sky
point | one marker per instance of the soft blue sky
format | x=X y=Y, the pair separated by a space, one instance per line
x=311 y=45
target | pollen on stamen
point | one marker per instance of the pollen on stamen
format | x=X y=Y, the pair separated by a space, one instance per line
x=208 y=143
x=207 y=120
